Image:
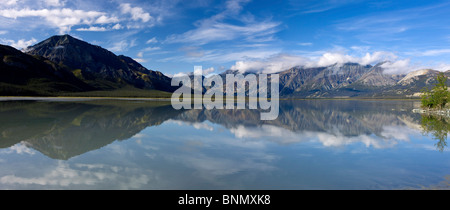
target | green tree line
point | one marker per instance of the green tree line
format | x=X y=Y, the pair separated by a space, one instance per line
x=438 y=97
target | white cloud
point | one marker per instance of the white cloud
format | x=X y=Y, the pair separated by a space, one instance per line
x=340 y=58
x=333 y=138
x=55 y=14
x=377 y=57
x=305 y=44
x=148 y=49
x=208 y=71
x=20 y=148
x=216 y=29
x=196 y=125
x=280 y=62
x=92 y=28
x=442 y=67
x=3 y=32
x=328 y=59
x=205 y=72
x=272 y=64
x=122 y=46
x=64 y=19
x=137 y=13
x=100 y=28
x=87 y=175
x=20 y=44
x=140 y=60
x=8 y=2
x=214 y=32
x=55 y=3
x=105 y=20
x=397 y=67
x=435 y=52
x=117 y=27
x=152 y=40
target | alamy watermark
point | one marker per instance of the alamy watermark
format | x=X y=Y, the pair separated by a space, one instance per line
x=198 y=91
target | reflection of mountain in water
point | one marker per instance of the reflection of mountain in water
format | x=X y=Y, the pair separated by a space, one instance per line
x=62 y=130
x=346 y=117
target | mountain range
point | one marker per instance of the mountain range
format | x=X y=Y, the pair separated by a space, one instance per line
x=64 y=65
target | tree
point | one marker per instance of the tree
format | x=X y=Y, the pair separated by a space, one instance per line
x=439 y=96
x=438 y=126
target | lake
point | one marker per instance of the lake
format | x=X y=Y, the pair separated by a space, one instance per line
x=314 y=144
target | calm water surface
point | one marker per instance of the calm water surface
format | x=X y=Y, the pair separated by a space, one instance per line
x=314 y=144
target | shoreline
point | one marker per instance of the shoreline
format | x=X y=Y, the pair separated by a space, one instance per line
x=83 y=98
x=441 y=112
x=72 y=98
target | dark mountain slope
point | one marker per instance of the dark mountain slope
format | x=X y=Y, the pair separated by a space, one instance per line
x=22 y=74
x=97 y=66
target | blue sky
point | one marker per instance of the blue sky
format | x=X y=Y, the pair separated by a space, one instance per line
x=173 y=36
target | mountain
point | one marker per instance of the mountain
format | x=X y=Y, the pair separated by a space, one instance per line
x=377 y=78
x=349 y=80
x=97 y=66
x=353 y=80
x=25 y=75
x=64 y=65
x=413 y=83
x=315 y=82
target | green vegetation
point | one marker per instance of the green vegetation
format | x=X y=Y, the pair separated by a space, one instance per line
x=438 y=126
x=125 y=92
x=438 y=97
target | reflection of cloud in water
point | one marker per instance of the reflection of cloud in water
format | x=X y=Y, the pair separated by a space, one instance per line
x=196 y=125
x=209 y=166
x=66 y=175
x=389 y=137
x=20 y=148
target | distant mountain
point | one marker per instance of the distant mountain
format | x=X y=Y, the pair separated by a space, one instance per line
x=315 y=82
x=64 y=64
x=25 y=75
x=350 y=80
x=413 y=83
x=97 y=66
x=353 y=80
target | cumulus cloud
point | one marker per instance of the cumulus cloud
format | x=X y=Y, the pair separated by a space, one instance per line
x=272 y=64
x=443 y=67
x=8 y=2
x=397 y=67
x=86 y=175
x=19 y=44
x=332 y=138
x=64 y=16
x=20 y=148
x=280 y=62
x=64 y=19
x=137 y=13
x=376 y=57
